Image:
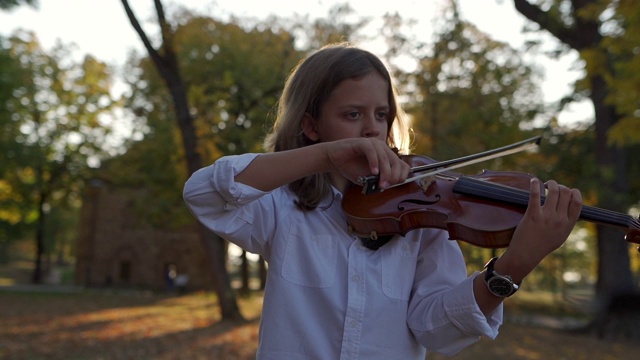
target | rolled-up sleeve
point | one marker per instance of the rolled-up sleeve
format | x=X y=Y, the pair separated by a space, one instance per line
x=443 y=313
x=221 y=204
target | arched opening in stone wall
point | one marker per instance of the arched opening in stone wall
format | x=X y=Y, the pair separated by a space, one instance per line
x=124 y=275
x=123 y=267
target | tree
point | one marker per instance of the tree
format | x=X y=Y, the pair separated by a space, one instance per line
x=233 y=91
x=222 y=98
x=55 y=131
x=231 y=94
x=11 y=224
x=602 y=32
x=471 y=84
x=10 y=4
x=340 y=25
x=470 y=94
x=167 y=64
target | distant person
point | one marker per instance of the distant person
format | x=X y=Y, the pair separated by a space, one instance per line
x=181 y=282
x=330 y=294
x=170 y=273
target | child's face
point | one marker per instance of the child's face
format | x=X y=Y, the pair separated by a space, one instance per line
x=355 y=108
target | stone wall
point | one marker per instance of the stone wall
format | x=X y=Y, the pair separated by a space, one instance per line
x=116 y=248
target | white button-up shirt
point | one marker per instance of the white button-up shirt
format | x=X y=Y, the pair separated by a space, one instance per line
x=329 y=297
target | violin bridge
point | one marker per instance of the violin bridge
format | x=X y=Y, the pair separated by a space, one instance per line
x=426 y=182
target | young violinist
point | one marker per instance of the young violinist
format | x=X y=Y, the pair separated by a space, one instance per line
x=330 y=294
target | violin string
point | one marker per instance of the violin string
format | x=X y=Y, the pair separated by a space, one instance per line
x=597 y=213
x=521 y=197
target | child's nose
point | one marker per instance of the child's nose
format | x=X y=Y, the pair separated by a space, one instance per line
x=370 y=128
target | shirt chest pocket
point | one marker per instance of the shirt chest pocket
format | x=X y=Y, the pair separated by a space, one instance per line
x=398 y=268
x=310 y=259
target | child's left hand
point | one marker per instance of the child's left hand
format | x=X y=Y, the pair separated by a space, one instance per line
x=544 y=227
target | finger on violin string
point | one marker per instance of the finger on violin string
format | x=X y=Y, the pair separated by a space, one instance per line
x=575 y=205
x=534 y=192
x=553 y=193
x=564 y=198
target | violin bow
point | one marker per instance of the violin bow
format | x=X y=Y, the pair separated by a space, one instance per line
x=370 y=183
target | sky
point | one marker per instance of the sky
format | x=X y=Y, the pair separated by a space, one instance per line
x=101 y=28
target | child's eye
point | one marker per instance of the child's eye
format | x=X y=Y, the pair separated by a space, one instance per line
x=382 y=115
x=353 y=114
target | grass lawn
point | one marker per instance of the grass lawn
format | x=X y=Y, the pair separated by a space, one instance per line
x=141 y=325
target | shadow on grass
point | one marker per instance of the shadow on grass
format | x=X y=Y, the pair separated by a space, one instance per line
x=142 y=325
x=113 y=325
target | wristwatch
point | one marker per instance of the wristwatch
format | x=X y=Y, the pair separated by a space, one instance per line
x=499 y=285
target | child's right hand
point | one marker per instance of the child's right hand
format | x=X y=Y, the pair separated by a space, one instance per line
x=356 y=157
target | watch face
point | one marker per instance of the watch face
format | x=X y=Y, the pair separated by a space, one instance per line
x=500 y=286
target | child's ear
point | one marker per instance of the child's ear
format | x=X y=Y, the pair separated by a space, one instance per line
x=309 y=127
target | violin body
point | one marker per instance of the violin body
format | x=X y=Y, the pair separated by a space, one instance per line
x=487 y=218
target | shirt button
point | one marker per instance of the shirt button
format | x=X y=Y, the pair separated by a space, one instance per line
x=355 y=278
x=353 y=323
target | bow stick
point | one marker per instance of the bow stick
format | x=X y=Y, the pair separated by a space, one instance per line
x=370 y=183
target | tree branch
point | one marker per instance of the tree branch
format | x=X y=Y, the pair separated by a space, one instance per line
x=143 y=36
x=548 y=22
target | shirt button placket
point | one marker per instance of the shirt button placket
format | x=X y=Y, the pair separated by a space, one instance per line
x=355 y=304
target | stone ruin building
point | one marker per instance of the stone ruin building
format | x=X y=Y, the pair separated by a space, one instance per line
x=116 y=249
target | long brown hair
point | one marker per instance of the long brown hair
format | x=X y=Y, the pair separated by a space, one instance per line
x=307 y=89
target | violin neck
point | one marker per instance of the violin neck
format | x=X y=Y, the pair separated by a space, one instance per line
x=518 y=197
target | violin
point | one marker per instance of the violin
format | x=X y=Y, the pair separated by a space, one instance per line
x=482 y=209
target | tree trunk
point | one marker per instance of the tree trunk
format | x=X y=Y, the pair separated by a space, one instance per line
x=244 y=273
x=36 y=277
x=615 y=280
x=263 y=273
x=168 y=67
x=215 y=246
x=614 y=272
